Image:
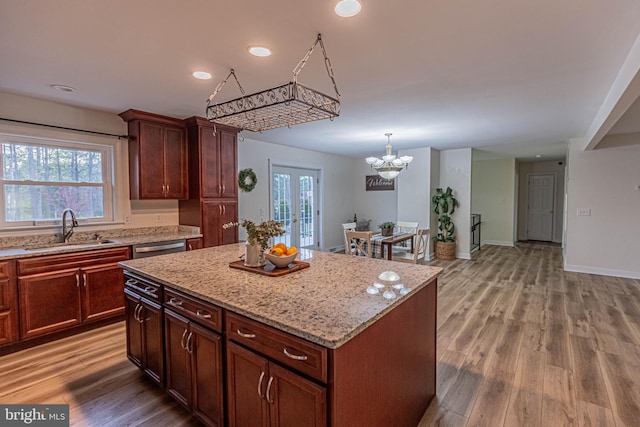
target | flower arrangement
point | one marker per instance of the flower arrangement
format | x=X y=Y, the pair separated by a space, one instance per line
x=261 y=233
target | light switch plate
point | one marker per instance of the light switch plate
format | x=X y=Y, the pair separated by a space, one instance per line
x=584 y=212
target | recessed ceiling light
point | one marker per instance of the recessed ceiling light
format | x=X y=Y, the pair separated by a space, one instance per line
x=202 y=75
x=259 y=51
x=63 y=88
x=538 y=155
x=348 y=8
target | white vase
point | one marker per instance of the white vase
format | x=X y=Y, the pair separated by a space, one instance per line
x=253 y=255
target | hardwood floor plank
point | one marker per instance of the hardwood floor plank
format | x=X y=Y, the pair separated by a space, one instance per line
x=590 y=386
x=525 y=402
x=590 y=415
x=623 y=389
x=558 y=403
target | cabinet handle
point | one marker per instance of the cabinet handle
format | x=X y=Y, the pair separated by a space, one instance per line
x=219 y=189
x=175 y=302
x=77 y=280
x=243 y=335
x=137 y=314
x=223 y=188
x=132 y=282
x=182 y=341
x=224 y=209
x=189 y=345
x=269 y=390
x=151 y=291
x=203 y=314
x=260 y=385
x=84 y=279
x=167 y=189
x=190 y=247
x=293 y=356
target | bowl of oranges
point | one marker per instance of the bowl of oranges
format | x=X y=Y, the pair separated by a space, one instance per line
x=281 y=256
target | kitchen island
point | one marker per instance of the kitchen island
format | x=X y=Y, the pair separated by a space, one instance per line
x=311 y=347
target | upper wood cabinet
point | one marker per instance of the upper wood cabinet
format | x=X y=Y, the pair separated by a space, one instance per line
x=157 y=156
x=213 y=154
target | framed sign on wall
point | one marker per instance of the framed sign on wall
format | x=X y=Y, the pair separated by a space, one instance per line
x=377 y=183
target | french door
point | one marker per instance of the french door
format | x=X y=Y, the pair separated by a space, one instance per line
x=295 y=204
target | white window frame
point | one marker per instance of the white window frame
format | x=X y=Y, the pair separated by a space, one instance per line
x=109 y=149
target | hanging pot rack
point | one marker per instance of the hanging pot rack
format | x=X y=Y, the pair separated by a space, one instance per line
x=286 y=105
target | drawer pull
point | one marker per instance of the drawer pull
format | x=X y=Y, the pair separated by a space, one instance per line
x=260 y=385
x=243 y=335
x=269 y=390
x=150 y=290
x=203 y=314
x=84 y=279
x=293 y=356
x=176 y=302
x=132 y=282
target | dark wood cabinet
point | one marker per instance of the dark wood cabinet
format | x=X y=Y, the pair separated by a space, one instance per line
x=213 y=188
x=8 y=303
x=262 y=393
x=57 y=292
x=193 y=244
x=144 y=327
x=193 y=357
x=157 y=156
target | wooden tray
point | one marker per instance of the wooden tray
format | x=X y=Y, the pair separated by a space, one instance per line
x=265 y=270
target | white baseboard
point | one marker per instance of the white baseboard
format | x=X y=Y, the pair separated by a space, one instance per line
x=463 y=255
x=602 y=271
x=497 y=243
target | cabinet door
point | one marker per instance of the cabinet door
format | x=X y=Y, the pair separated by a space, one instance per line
x=102 y=288
x=211 y=228
x=133 y=328
x=151 y=161
x=150 y=316
x=247 y=377
x=193 y=244
x=206 y=372
x=295 y=401
x=210 y=184
x=175 y=164
x=177 y=358
x=227 y=163
x=229 y=214
x=49 y=302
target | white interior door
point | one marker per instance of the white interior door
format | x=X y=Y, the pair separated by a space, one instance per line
x=295 y=195
x=541 y=207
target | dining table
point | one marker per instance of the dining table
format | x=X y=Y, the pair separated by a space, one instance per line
x=378 y=240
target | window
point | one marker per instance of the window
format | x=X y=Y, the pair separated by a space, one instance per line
x=41 y=178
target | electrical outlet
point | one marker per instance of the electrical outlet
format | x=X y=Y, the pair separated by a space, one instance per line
x=127 y=219
x=158 y=218
x=584 y=212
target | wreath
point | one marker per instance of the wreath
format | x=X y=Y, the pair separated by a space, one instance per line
x=247 y=180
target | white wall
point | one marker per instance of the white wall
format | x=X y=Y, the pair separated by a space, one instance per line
x=141 y=213
x=337 y=175
x=414 y=188
x=377 y=206
x=608 y=241
x=525 y=170
x=493 y=197
x=455 y=172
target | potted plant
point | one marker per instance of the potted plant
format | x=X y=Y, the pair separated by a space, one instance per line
x=387 y=228
x=444 y=205
x=258 y=237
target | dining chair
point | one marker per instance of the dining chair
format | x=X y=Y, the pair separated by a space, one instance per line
x=405 y=227
x=347 y=226
x=359 y=243
x=420 y=250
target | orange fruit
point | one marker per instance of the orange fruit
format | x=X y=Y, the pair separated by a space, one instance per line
x=277 y=251
x=282 y=246
x=292 y=250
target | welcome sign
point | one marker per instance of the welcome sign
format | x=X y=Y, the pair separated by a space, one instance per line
x=377 y=183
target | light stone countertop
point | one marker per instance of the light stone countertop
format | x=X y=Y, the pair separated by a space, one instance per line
x=30 y=246
x=327 y=303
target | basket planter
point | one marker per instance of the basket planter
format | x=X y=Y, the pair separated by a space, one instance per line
x=445 y=250
x=387 y=231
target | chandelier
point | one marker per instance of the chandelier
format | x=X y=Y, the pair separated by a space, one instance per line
x=389 y=166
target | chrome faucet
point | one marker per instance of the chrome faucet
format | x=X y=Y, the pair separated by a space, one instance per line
x=66 y=234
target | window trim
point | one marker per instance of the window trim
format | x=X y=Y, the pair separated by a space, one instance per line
x=110 y=150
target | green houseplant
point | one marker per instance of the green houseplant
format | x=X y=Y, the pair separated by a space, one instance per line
x=387 y=228
x=444 y=205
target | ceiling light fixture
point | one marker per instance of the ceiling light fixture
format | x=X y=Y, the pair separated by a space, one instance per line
x=202 y=75
x=286 y=105
x=389 y=166
x=63 y=88
x=348 y=8
x=259 y=51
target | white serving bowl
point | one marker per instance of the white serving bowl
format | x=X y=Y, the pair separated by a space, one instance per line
x=280 y=261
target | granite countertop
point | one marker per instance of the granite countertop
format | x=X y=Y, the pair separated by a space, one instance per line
x=327 y=303
x=30 y=246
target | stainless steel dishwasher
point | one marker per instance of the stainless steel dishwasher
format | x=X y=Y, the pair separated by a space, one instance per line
x=143 y=250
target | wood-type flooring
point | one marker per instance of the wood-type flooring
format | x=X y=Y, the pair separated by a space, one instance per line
x=520 y=343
